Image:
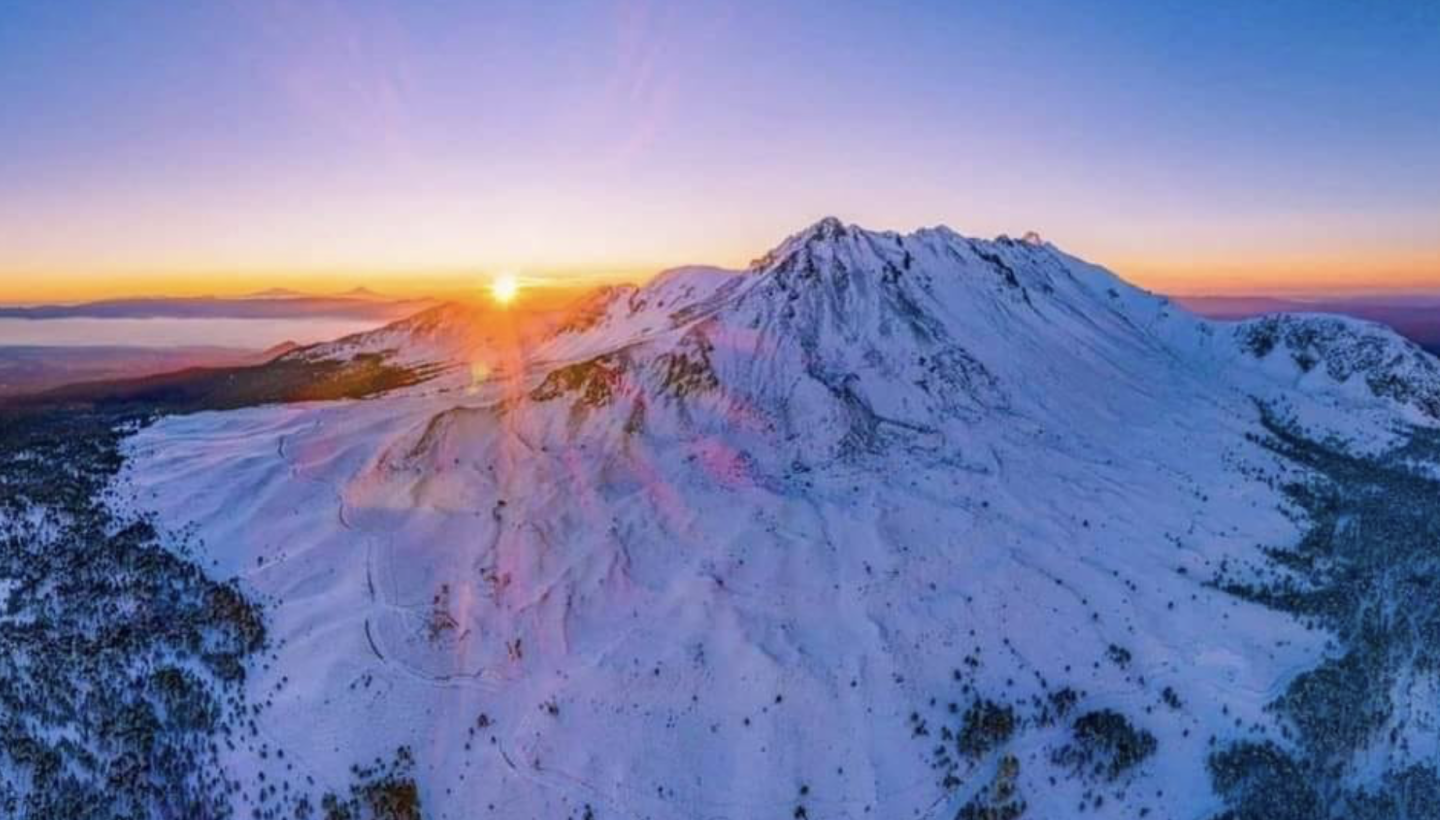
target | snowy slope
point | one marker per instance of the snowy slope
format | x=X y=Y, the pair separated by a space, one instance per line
x=454 y=343
x=773 y=543
x=1343 y=350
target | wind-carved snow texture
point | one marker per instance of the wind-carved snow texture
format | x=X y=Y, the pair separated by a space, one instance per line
x=898 y=526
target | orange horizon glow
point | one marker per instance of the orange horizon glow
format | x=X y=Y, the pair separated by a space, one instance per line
x=31 y=288
x=1287 y=274
x=1202 y=274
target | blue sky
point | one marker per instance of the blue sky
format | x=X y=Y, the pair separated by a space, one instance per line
x=1190 y=146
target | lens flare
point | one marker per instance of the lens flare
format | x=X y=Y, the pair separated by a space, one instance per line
x=504 y=288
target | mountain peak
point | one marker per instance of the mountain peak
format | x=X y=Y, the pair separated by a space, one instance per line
x=838 y=236
x=361 y=292
x=827 y=230
x=831 y=246
x=827 y=227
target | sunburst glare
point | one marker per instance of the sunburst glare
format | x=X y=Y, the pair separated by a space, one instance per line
x=504 y=288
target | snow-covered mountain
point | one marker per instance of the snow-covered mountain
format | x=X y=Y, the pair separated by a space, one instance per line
x=886 y=525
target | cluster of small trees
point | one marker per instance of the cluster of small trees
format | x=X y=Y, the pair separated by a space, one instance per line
x=123 y=661
x=1373 y=526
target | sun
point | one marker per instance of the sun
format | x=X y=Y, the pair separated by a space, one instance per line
x=504 y=288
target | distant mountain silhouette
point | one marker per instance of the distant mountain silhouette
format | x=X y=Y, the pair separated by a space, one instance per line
x=271 y=304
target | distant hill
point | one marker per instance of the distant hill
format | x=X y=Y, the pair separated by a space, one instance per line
x=1417 y=317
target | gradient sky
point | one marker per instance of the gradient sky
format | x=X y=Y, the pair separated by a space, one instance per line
x=206 y=146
